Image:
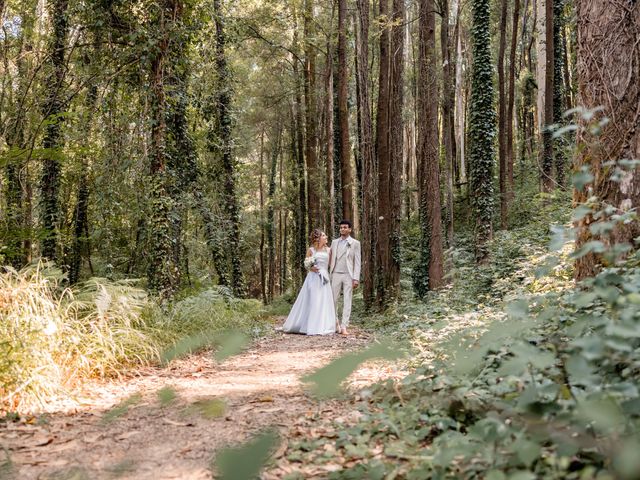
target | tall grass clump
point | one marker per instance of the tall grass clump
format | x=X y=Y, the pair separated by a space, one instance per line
x=51 y=337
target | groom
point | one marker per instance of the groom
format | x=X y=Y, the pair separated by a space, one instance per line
x=345 y=270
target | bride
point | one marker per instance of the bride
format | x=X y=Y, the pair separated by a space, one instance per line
x=314 y=311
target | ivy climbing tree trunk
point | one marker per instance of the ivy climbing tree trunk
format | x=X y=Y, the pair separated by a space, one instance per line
x=429 y=272
x=225 y=122
x=502 y=115
x=481 y=129
x=163 y=273
x=559 y=106
x=608 y=33
x=510 y=103
x=53 y=110
x=548 y=181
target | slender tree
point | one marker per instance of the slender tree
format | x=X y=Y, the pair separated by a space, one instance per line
x=481 y=128
x=390 y=138
x=383 y=250
x=510 y=104
x=502 y=115
x=369 y=166
x=163 y=272
x=230 y=198
x=271 y=241
x=548 y=181
x=53 y=109
x=343 y=113
x=311 y=141
x=448 y=101
x=429 y=272
x=559 y=105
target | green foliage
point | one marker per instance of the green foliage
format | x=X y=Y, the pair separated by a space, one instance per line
x=246 y=461
x=327 y=380
x=482 y=127
x=52 y=337
x=546 y=389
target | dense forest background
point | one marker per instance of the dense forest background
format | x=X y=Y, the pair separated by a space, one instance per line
x=162 y=163
x=190 y=142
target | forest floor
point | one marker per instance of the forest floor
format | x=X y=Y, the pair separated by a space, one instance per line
x=122 y=428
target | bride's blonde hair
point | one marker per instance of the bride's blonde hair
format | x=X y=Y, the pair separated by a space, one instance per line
x=315 y=236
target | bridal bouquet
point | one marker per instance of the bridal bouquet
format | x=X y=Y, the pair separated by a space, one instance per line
x=310 y=262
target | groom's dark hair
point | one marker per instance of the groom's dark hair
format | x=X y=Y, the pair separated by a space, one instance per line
x=346 y=222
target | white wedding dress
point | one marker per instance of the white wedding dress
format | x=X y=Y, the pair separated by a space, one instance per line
x=314 y=312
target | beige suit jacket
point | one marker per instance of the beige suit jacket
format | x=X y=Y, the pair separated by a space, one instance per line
x=354 y=255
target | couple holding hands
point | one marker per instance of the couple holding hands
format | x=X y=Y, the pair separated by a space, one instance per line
x=332 y=271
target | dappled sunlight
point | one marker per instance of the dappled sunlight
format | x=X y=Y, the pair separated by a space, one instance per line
x=124 y=426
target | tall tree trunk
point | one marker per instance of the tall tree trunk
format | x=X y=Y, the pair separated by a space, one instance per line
x=608 y=33
x=502 y=116
x=263 y=272
x=448 y=135
x=558 y=89
x=81 y=212
x=369 y=166
x=481 y=129
x=230 y=198
x=329 y=134
x=343 y=113
x=16 y=180
x=271 y=243
x=460 y=102
x=511 y=102
x=313 y=172
x=389 y=148
x=53 y=109
x=299 y=180
x=163 y=273
x=547 y=99
x=429 y=272
x=396 y=143
x=383 y=250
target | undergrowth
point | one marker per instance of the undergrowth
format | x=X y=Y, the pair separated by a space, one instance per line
x=518 y=372
x=52 y=337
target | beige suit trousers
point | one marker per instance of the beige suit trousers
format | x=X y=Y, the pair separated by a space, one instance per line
x=342 y=283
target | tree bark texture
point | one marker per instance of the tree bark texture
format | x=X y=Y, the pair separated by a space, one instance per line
x=369 y=165
x=448 y=133
x=314 y=184
x=510 y=155
x=53 y=109
x=343 y=114
x=429 y=272
x=389 y=149
x=609 y=76
x=548 y=182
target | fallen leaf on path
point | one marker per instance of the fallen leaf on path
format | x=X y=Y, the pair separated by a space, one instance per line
x=178 y=424
x=266 y=398
x=126 y=435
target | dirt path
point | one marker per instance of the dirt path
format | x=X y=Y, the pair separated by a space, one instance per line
x=145 y=440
